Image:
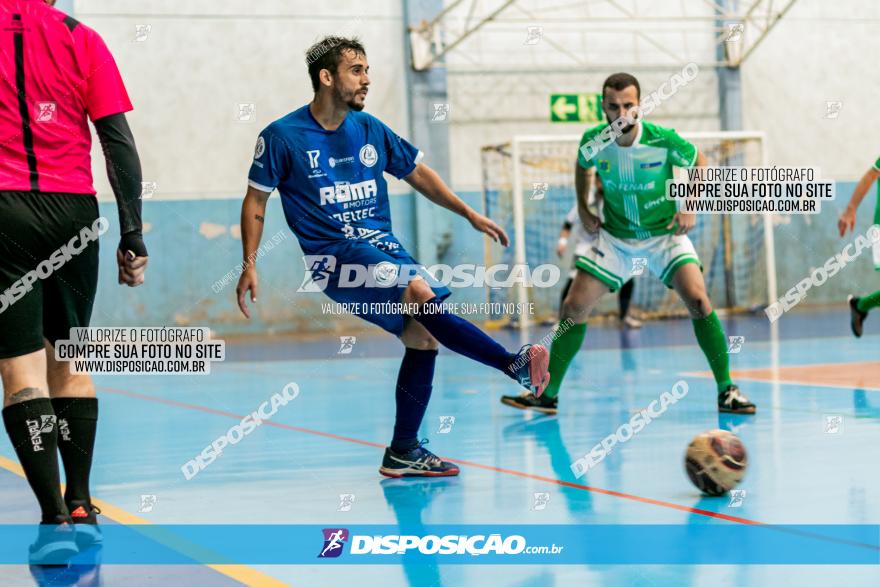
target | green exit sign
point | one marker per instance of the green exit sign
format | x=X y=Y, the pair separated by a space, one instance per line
x=575 y=107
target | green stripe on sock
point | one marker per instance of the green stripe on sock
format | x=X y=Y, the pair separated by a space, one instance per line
x=867 y=303
x=562 y=352
x=713 y=342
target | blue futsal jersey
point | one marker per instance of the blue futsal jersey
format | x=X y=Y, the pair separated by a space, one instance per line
x=331 y=181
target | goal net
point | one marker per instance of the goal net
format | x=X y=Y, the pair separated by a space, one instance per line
x=528 y=188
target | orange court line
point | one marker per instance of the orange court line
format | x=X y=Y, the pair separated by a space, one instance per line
x=636 y=498
x=863 y=375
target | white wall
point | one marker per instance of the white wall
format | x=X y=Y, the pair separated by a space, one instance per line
x=204 y=57
x=820 y=51
x=527 y=111
x=510 y=94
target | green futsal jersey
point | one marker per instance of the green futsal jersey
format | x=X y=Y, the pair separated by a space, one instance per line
x=634 y=178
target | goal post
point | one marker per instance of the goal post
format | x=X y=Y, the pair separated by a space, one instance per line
x=528 y=187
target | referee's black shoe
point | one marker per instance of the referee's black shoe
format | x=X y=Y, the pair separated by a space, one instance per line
x=55 y=544
x=85 y=520
x=856 y=318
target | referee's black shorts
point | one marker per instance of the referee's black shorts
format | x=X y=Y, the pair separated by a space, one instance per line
x=48 y=267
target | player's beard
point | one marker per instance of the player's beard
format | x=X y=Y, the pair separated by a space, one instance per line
x=623 y=130
x=349 y=100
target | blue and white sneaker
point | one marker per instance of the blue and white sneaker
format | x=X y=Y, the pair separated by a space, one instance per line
x=418 y=462
x=530 y=368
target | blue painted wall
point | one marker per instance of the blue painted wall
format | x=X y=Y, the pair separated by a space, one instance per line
x=185 y=265
x=810 y=240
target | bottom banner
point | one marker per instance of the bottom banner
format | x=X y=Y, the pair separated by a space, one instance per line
x=708 y=544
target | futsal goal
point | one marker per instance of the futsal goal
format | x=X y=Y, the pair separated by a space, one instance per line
x=528 y=188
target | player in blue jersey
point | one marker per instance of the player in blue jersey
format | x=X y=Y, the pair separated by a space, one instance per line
x=327 y=161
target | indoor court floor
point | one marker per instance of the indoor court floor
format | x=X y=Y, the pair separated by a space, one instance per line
x=818 y=416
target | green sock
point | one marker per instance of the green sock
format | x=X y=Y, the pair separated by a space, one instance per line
x=868 y=302
x=713 y=342
x=562 y=352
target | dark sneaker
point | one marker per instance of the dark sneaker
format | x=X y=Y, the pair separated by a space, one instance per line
x=85 y=520
x=419 y=462
x=530 y=368
x=734 y=402
x=529 y=401
x=55 y=545
x=856 y=318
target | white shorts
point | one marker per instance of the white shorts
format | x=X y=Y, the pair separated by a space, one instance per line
x=614 y=261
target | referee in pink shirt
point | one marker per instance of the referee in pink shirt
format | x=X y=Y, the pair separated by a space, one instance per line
x=56 y=74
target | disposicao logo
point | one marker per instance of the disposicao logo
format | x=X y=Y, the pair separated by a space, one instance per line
x=334 y=539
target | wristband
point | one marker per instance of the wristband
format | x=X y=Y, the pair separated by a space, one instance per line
x=133 y=241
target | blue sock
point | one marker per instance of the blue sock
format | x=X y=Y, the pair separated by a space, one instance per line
x=459 y=335
x=412 y=395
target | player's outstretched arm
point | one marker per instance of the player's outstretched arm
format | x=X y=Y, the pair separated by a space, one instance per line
x=124 y=174
x=847 y=221
x=427 y=182
x=583 y=183
x=253 y=212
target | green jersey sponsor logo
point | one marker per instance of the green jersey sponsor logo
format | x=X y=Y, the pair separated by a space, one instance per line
x=634 y=179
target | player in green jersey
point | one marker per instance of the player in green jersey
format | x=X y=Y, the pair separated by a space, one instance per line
x=641 y=227
x=859 y=307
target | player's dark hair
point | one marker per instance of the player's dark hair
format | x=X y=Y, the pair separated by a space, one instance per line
x=619 y=81
x=327 y=53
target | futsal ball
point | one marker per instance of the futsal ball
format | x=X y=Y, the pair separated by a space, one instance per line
x=716 y=461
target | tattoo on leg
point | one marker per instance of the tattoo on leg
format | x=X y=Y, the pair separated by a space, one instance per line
x=23 y=395
x=258 y=217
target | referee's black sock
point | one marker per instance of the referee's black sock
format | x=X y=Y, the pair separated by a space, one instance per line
x=33 y=430
x=77 y=422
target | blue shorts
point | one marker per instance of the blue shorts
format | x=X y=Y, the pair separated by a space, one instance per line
x=369 y=281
